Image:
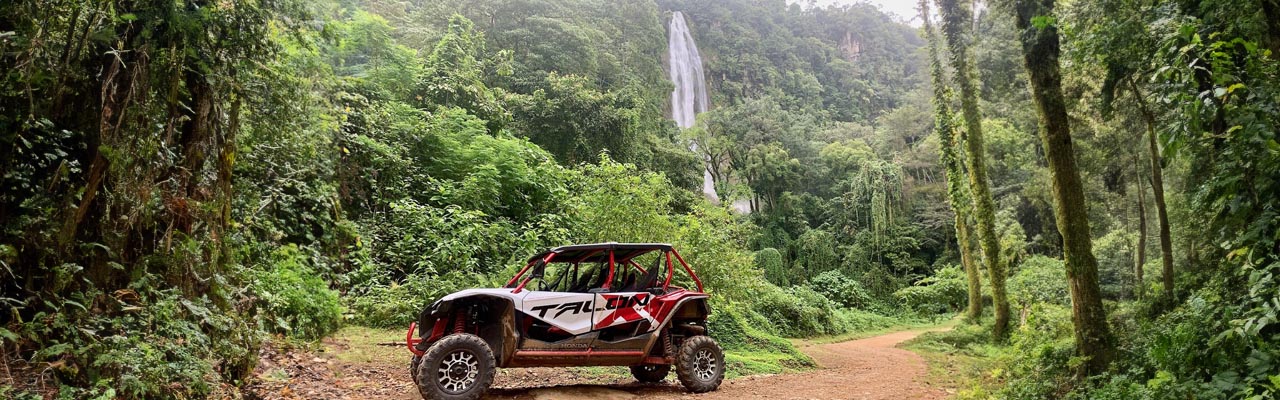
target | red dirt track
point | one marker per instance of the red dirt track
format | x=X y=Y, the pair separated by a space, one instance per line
x=871 y=368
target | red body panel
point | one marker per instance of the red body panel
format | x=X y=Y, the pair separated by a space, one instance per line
x=662 y=306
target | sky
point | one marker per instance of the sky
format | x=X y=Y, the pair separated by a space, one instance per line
x=904 y=9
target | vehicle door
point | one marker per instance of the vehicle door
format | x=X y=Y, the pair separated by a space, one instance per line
x=558 y=297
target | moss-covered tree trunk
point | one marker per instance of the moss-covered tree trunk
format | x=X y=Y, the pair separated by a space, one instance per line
x=1040 y=50
x=1162 y=212
x=1141 y=253
x=957 y=194
x=973 y=312
x=957 y=17
x=1157 y=193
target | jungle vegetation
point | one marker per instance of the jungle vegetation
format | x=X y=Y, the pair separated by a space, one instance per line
x=1092 y=184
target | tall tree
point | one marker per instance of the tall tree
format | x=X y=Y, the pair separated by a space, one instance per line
x=1157 y=191
x=1040 y=49
x=956 y=190
x=1141 y=254
x=1119 y=36
x=957 y=19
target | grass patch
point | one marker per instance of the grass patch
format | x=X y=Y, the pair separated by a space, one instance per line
x=961 y=360
x=358 y=344
x=750 y=350
x=866 y=324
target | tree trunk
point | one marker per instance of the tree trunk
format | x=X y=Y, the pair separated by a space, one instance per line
x=956 y=20
x=1157 y=191
x=1040 y=51
x=1271 y=12
x=1141 y=253
x=943 y=124
x=974 y=312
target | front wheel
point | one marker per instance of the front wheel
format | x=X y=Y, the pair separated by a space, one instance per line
x=650 y=373
x=700 y=364
x=413 y=367
x=457 y=367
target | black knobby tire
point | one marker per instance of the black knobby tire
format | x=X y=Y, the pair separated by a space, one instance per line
x=457 y=367
x=413 y=367
x=650 y=373
x=700 y=364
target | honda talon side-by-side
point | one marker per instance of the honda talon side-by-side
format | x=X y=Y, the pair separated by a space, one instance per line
x=606 y=304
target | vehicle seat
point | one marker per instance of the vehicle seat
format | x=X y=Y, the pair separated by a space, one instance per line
x=583 y=281
x=644 y=282
x=628 y=284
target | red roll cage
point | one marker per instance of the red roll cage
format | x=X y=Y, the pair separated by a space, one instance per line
x=615 y=253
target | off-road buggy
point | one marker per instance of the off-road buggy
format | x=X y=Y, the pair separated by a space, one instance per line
x=607 y=304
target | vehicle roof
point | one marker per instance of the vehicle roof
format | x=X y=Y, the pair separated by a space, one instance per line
x=595 y=252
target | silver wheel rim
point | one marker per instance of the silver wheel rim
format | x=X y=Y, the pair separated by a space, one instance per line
x=458 y=371
x=704 y=365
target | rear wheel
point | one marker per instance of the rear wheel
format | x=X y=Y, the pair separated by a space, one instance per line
x=700 y=364
x=457 y=367
x=650 y=373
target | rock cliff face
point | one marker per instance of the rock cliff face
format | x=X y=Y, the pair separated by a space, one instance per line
x=850 y=46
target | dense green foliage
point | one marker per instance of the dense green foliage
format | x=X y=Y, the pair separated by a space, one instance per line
x=183 y=180
x=329 y=163
x=1193 y=79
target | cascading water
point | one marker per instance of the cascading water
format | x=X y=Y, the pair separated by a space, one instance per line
x=690 y=95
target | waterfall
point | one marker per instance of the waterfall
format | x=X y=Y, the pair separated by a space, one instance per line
x=690 y=95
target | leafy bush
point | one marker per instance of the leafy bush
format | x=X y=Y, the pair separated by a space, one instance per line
x=843 y=290
x=853 y=320
x=798 y=312
x=396 y=304
x=420 y=239
x=293 y=300
x=750 y=349
x=880 y=284
x=945 y=291
x=1193 y=352
x=1039 y=279
x=815 y=252
x=1041 y=358
x=770 y=261
x=135 y=342
x=1115 y=263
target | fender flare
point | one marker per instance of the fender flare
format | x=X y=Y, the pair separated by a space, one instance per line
x=698 y=300
x=436 y=321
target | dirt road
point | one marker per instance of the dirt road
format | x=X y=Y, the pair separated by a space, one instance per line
x=872 y=368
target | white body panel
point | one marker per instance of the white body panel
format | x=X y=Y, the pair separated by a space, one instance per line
x=571 y=312
x=575 y=313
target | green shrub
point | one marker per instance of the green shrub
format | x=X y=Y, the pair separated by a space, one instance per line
x=854 y=320
x=1039 y=279
x=880 y=284
x=1041 y=356
x=292 y=298
x=815 y=252
x=395 y=305
x=841 y=289
x=946 y=291
x=770 y=261
x=138 y=340
x=1115 y=263
x=750 y=349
